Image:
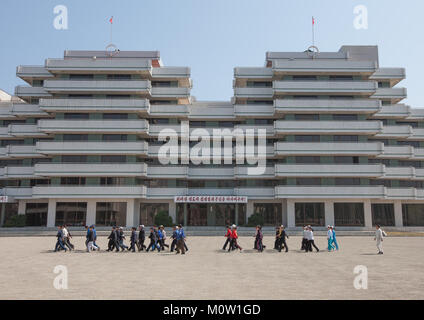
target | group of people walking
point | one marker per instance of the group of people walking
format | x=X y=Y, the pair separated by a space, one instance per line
x=157 y=237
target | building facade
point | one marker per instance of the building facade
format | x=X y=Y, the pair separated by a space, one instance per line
x=80 y=143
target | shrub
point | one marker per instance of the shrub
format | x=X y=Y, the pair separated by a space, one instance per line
x=17 y=220
x=255 y=219
x=163 y=218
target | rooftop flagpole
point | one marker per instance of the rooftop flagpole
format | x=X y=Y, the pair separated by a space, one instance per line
x=313 y=31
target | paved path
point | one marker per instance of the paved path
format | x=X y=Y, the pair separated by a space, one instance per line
x=205 y=272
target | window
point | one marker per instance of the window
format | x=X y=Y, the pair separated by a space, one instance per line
x=74 y=159
x=259 y=84
x=119 y=77
x=345 y=138
x=383 y=214
x=80 y=76
x=308 y=181
x=306 y=159
x=114 y=137
x=415 y=164
x=75 y=137
x=306 y=138
x=306 y=117
x=114 y=181
x=346 y=160
x=72 y=181
x=349 y=214
x=345 y=117
x=412 y=215
x=415 y=144
x=111 y=213
x=270 y=212
x=71 y=213
x=347 y=181
x=304 y=78
x=341 y=78
x=148 y=212
x=113 y=159
x=115 y=116
x=36 y=214
x=76 y=116
x=309 y=213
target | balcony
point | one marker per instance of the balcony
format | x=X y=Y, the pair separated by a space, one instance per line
x=329 y=170
x=90 y=169
x=156 y=129
x=28 y=110
x=23 y=151
x=170 y=92
x=94 y=126
x=84 y=192
x=18 y=192
x=394 y=132
x=393 y=94
x=401 y=193
x=25 y=130
x=396 y=111
x=17 y=173
x=95 y=105
x=365 y=106
x=39 y=72
x=327 y=127
x=167 y=172
x=325 y=192
x=312 y=66
x=242 y=172
x=165 y=193
x=396 y=152
x=417 y=134
x=329 y=148
x=258 y=93
x=169 y=110
x=29 y=92
x=92 y=148
x=393 y=74
x=289 y=87
x=255 y=193
x=211 y=173
x=253 y=111
x=121 y=66
x=211 y=110
x=171 y=72
x=98 y=86
x=252 y=129
x=399 y=173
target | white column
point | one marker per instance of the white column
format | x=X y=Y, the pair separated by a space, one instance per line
x=136 y=221
x=291 y=221
x=249 y=209
x=367 y=214
x=91 y=213
x=398 y=214
x=329 y=212
x=284 y=211
x=21 y=207
x=51 y=213
x=173 y=211
x=130 y=213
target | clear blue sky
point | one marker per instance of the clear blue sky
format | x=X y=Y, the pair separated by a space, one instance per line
x=213 y=36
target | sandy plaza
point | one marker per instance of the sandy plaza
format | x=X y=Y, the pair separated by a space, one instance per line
x=208 y=272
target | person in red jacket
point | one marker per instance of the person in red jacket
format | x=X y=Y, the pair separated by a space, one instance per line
x=228 y=236
x=234 y=237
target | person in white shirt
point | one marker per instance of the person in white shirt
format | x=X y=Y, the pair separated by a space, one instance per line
x=311 y=241
x=66 y=236
x=379 y=234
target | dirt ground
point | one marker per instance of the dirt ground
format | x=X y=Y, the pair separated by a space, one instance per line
x=207 y=272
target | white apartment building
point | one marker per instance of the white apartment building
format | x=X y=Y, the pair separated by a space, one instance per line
x=79 y=143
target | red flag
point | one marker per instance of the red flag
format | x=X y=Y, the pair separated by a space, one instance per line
x=111 y=20
x=313 y=21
